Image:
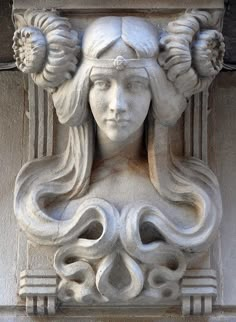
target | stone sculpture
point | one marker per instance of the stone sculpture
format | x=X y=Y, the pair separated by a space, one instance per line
x=127 y=215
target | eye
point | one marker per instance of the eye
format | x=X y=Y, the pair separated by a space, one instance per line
x=101 y=84
x=135 y=85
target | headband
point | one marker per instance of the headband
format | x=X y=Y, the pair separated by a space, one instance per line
x=120 y=63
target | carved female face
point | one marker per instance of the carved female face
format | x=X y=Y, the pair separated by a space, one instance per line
x=119 y=99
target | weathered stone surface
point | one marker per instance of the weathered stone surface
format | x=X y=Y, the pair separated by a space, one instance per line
x=106 y=255
x=121 y=5
x=11 y=136
x=223 y=160
x=129 y=217
x=224 y=96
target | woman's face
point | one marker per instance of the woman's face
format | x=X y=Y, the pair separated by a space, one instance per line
x=119 y=99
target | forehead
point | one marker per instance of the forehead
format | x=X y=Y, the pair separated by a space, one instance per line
x=113 y=73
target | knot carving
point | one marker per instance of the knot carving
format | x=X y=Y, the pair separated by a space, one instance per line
x=89 y=267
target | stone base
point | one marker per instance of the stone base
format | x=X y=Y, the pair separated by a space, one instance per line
x=198 y=289
x=39 y=288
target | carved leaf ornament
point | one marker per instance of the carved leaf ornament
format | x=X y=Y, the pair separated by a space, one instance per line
x=191 y=54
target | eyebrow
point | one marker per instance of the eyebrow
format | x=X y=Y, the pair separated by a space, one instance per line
x=99 y=75
x=143 y=77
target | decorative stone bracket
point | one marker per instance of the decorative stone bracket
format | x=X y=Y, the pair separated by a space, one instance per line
x=132 y=248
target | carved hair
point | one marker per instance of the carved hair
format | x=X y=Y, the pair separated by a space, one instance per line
x=46 y=47
x=167 y=103
x=187 y=182
x=191 y=54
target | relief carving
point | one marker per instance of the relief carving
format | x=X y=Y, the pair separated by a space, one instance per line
x=45 y=46
x=127 y=215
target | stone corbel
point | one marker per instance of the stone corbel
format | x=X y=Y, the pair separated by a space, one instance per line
x=189 y=54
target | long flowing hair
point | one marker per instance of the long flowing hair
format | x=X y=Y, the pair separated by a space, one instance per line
x=66 y=176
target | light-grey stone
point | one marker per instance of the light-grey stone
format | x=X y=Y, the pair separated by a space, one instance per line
x=131 y=79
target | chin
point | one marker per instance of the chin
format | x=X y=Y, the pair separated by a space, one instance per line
x=117 y=137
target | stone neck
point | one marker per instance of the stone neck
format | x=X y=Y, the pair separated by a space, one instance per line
x=131 y=149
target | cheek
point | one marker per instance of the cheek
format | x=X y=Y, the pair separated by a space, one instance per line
x=141 y=105
x=145 y=100
x=93 y=99
x=97 y=103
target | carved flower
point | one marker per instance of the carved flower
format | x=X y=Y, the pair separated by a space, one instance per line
x=30 y=49
x=120 y=63
x=46 y=46
x=208 y=53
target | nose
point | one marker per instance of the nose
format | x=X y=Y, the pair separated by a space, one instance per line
x=118 y=103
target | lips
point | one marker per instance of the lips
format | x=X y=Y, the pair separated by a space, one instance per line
x=117 y=121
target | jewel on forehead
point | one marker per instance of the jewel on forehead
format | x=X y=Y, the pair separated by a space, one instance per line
x=120 y=63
